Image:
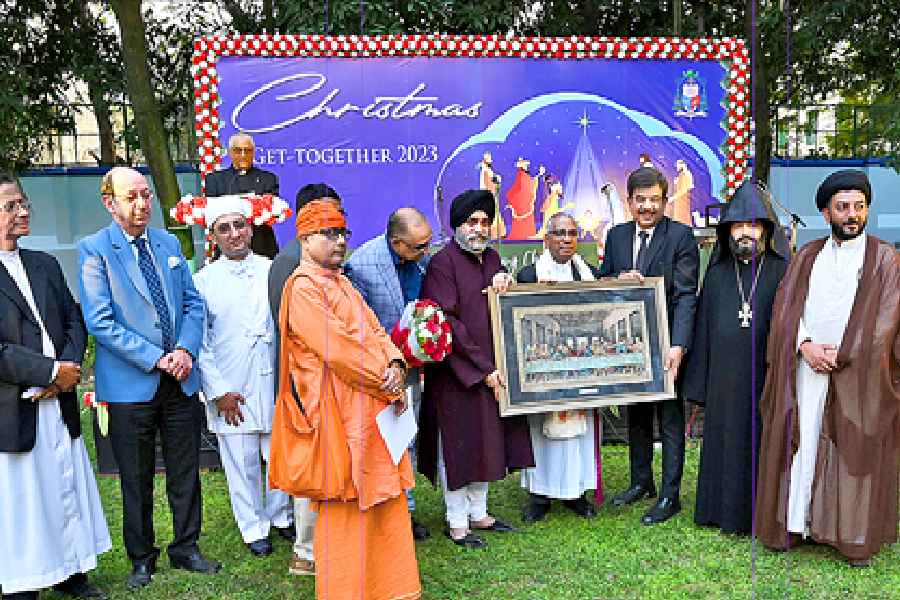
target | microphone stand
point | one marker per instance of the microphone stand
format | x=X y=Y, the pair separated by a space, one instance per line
x=795 y=219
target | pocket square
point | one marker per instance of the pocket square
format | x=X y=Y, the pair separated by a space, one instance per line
x=174 y=261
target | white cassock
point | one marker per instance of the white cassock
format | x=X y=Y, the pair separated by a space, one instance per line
x=832 y=290
x=238 y=355
x=564 y=468
x=51 y=520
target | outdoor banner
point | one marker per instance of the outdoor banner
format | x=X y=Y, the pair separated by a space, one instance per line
x=545 y=124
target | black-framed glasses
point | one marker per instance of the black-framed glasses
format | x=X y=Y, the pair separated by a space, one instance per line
x=226 y=227
x=16 y=205
x=561 y=233
x=335 y=233
x=418 y=247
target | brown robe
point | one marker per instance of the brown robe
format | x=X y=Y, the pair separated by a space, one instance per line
x=855 y=487
x=478 y=444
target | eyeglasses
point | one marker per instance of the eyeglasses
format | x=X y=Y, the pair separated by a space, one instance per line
x=133 y=196
x=237 y=150
x=16 y=205
x=572 y=233
x=476 y=222
x=418 y=247
x=226 y=227
x=335 y=233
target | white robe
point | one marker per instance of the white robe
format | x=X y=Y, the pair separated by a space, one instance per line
x=832 y=290
x=51 y=520
x=566 y=468
x=238 y=355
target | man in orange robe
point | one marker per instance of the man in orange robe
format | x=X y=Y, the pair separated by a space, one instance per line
x=341 y=369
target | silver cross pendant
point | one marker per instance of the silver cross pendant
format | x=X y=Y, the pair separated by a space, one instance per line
x=745 y=314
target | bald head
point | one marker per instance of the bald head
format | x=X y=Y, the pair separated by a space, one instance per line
x=409 y=233
x=126 y=195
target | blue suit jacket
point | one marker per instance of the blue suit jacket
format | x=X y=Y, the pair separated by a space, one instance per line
x=372 y=271
x=119 y=313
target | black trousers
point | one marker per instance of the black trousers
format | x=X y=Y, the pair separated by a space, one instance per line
x=132 y=434
x=670 y=414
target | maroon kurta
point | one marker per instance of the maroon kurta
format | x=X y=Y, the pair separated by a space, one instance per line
x=478 y=445
x=854 y=491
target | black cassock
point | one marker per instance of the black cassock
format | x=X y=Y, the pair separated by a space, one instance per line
x=725 y=372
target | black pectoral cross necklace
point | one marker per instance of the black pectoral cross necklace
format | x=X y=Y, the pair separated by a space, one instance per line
x=745 y=314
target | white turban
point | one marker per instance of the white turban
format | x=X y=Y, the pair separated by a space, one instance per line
x=225 y=205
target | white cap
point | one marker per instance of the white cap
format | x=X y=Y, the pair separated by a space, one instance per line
x=225 y=205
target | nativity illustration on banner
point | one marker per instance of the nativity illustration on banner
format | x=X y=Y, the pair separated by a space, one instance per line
x=543 y=135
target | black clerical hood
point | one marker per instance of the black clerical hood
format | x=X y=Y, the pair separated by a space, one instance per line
x=749 y=203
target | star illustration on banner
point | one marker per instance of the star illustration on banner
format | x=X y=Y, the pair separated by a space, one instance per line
x=584 y=121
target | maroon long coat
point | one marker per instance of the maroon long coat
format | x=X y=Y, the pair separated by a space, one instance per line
x=477 y=444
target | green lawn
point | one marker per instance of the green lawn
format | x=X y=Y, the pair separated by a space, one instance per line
x=609 y=557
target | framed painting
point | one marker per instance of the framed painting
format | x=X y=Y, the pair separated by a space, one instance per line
x=579 y=345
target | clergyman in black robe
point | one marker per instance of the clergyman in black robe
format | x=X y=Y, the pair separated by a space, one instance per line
x=727 y=365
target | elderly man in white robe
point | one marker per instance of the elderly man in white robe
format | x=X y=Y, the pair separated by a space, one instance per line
x=51 y=522
x=564 y=444
x=236 y=363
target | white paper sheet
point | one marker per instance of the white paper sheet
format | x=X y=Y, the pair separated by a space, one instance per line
x=397 y=431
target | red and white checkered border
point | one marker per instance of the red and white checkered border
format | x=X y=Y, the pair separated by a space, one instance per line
x=208 y=49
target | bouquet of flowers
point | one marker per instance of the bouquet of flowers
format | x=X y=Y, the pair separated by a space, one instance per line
x=102 y=408
x=422 y=333
x=265 y=209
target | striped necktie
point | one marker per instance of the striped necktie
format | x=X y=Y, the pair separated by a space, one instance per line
x=145 y=262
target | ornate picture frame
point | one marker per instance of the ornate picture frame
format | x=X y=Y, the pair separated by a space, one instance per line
x=568 y=346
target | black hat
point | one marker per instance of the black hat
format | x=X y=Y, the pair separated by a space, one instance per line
x=840 y=181
x=467 y=203
x=750 y=203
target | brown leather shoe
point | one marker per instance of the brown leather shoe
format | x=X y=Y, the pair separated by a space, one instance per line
x=301 y=566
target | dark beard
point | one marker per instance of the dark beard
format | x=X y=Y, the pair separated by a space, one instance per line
x=844 y=237
x=746 y=251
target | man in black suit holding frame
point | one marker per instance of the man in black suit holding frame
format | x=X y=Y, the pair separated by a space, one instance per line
x=654 y=245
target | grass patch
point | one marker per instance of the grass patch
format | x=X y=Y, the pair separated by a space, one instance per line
x=563 y=557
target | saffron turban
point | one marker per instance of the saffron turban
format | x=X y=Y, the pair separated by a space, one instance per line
x=469 y=202
x=318 y=215
x=842 y=181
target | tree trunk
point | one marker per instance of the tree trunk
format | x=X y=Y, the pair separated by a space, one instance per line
x=762 y=152
x=104 y=124
x=151 y=133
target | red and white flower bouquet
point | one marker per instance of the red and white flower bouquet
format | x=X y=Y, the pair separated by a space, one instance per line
x=265 y=209
x=423 y=333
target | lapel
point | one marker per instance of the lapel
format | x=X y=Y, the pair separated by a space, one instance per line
x=389 y=272
x=125 y=254
x=38 y=281
x=657 y=241
x=9 y=288
x=161 y=254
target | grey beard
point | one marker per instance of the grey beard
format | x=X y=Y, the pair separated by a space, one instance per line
x=746 y=251
x=474 y=248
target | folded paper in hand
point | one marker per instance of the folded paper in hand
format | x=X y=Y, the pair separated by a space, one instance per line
x=397 y=431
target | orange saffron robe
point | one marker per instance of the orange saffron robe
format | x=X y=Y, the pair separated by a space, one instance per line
x=338 y=355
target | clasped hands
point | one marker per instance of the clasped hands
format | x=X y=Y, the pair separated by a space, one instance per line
x=393 y=381
x=67 y=376
x=822 y=358
x=177 y=363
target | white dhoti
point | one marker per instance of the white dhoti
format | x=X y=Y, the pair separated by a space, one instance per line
x=256 y=506
x=305 y=523
x=563 y=469
x=51 y=521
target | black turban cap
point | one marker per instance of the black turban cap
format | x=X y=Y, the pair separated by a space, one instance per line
x=839 y=181
x=470 y=201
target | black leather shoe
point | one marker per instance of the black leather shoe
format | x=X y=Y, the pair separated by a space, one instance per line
x=260 y=547
x=535 y=511
x=195 y=562
x=663 y=510
x=289 y=533
x=861 y=563
x=497 y=526
x=581 y=507
x=77 y=586
x=470 y=540
x=141 y=572
x=419 y=531
x=633 y=494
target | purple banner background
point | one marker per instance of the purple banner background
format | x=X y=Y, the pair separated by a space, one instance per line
x=586 y=121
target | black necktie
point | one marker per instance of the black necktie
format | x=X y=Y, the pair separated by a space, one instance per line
x=642 y=253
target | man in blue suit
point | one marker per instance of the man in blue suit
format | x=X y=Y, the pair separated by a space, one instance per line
x=653 y=245
x=140 y=304
x=388 y=272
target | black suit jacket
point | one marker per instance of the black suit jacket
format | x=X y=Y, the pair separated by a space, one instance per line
x=22 y=362
x=673 y=255
x=224 y=182
x=529 y=274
